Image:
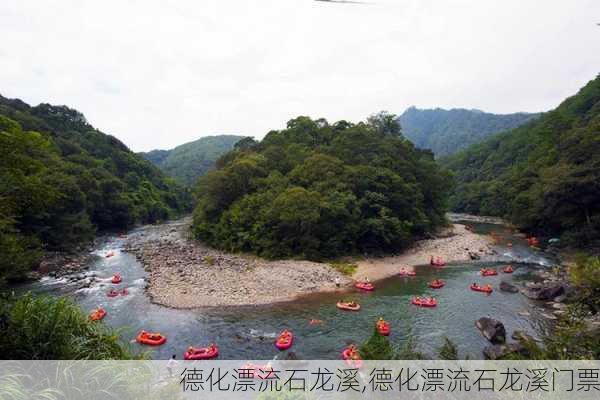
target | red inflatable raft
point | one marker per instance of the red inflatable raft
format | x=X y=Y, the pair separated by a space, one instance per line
x=437 y=262
x=484 y=289
x=365 y=286
x=112 y=293
x=350 y=306
x=508 y=269
x=202 y=353
x=110 y=254
x=352 y=357
x=383 y=327
x=151 y=339
x=407 y=273
x=285 y=340
x=437 y=284
x=424 y=302
x=488 y=272
x=116 y=279
x=97 y=314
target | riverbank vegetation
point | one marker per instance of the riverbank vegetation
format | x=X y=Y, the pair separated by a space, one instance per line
x=317 y=190
x=544 y=176
x=61 y=180
x=52 y=328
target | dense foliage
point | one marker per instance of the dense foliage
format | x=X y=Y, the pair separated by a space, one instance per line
x=320 y=190
x=51 y=328
x=543 y=176
x=188 y=162
x=447 y=131
x=61 y=180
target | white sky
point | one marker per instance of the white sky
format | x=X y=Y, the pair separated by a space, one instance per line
x=160 y=73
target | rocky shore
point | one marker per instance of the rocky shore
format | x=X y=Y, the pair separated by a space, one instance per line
x=454 y=244
x=183 y=273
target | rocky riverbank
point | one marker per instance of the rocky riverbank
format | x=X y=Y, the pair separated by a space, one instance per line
x=454 y=244
x=183 y=273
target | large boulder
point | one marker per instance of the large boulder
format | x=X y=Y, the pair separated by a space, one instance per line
x=499 y=351
x=493 y=330
x=508 y=287
x=544 y=292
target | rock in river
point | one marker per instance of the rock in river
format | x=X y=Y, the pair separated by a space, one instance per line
x=544 y=292
x=507 y=287
x=498 y=351
x=493 y=330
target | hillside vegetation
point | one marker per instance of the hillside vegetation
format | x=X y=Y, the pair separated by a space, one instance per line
x=61 y=180
x=186 y=163
x=320 y=190
x=543 y=176
x=447 y=131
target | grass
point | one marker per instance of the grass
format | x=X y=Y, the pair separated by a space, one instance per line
x=345 y=268
x=51 y=328
x=209 y=260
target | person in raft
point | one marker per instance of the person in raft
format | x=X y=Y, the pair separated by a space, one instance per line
x=367 y=279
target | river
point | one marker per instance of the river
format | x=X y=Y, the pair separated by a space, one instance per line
x=248 y=332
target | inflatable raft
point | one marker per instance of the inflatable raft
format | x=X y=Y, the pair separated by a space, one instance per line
x=350 y=306
x=285 y=340
x=407 y=273
x=484 y=289
x=116 y=279
x=151 y=339
x=201 y=353
x=424 y=302
x=508 y=269
x=436 y=284
x=352 y=357
x=488 y=272
x=365 y=286
x=97 y=314
x=383 y=327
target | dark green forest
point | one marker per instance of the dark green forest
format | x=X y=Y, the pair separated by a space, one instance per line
x=61 y=181
x=543 y=176
x=447 y=131
x=320 y=190
x=186 y=163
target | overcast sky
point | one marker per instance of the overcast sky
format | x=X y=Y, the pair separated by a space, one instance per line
x=160 y=73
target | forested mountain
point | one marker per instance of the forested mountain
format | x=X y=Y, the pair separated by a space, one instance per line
x=320 y=190
x=447 y=131
x=187 y=162
x=61 y=180
x=543 y=176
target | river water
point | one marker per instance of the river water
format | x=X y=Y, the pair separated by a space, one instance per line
x=248 y=332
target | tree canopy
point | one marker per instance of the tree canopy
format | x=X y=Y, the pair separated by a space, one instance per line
x=543 y=176
x=320 y=190
x=61 y=180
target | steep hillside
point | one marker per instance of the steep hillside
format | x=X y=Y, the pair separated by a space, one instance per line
x=187 y=162
x=61 y=180
x=543 y=176
x=447 y=131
